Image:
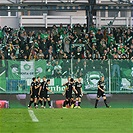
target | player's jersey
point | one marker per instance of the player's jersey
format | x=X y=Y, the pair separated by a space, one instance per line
x=44 y=86
x=67 y=84
x=101 y=84
x=78 y=86
x=38 y=84
x=70 y=88
x=33 y=84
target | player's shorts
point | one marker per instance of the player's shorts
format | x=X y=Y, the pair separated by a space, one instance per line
x=78 y=95
x=35 y=94
x=44 y=95
x=32 y=96
x=100 y=93
x=68 y=95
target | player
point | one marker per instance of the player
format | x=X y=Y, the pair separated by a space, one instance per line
x=43 y=92
x=78 y=87
x=33 y=92
x=68 y=92
x=38 y=82
x=66 y=87
x=101 y=92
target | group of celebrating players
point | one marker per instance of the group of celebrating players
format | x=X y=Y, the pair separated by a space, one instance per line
x=76 y=87
x=39 y=93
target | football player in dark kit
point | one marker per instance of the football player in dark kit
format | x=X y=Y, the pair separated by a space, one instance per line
x=33 y=93
x=101 y=92
x=38 y=82
x=40 y=93
x=78 y=87
x=68 y=92
x=43 y=92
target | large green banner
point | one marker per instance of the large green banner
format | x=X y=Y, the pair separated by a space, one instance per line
x=56 y=85
x=122 y=76
x=16 y=76
x=26 y=69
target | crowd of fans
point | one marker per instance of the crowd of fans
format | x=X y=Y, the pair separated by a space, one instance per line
x=65 y=43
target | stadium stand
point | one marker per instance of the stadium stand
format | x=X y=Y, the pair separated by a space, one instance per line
x=63 y=42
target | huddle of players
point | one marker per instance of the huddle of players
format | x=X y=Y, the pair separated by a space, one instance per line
x=39 y=92
x=76 y=87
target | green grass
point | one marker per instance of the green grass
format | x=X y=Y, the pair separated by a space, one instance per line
x=100 y=120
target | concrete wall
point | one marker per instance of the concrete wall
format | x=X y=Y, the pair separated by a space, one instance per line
x=4 y=1
x=9 y=21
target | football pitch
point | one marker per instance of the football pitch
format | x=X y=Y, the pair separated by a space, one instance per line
x=87 y=120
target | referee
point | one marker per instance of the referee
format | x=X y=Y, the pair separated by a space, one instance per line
x=101 y=92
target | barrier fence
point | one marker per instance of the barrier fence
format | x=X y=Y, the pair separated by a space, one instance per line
x=15 y=76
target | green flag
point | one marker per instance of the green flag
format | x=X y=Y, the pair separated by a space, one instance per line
x=13 y=69
x=26 y=69
x=40 y=68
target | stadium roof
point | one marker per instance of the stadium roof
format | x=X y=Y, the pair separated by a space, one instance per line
x=43 y=5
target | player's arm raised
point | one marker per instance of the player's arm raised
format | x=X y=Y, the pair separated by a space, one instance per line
x=64 y=84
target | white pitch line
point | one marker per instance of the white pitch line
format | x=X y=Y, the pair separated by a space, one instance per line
x=32 y=115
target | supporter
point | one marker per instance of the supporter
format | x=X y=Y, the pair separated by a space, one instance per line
x=40 y=55
x=60 y=54
x=99 y=36
x=129 y=32
x=57 y=70
x=84 y=29
x=27 y=51
x=12 y=56
x=50 y=54
x=66 y=42
x=61 y=30
x=115 y=67
x=17 y=51
x=22 y=43
x=54 y=30
x=25 y=58
x=1 y=34
x=59 y=46
x=78 y=53
x=118 y=34
x=88 y=55
x=121 y=48
x=49 y=70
